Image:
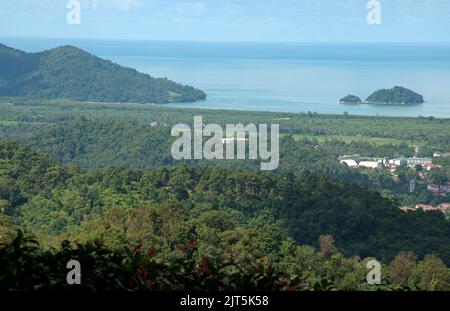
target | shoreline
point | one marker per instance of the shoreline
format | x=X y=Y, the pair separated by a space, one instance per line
x=178 y=106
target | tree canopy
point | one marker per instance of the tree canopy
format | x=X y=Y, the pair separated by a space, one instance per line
x=70 y=73
x=396 y=95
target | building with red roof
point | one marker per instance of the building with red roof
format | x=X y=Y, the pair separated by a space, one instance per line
x=434 y=188
x=430 y=166
x=444 y=207
x=427 y=208
x=407 y=209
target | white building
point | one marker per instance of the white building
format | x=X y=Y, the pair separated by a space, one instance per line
x=349 y=163
x=231 y=140
x=370 y=164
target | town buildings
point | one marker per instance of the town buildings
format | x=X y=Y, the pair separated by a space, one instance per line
x=439 y=188
x=439 y=154
x=356 y=161
x=443 y=208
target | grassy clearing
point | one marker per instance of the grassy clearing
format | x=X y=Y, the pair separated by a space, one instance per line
x=5 y=122
x=349 y=139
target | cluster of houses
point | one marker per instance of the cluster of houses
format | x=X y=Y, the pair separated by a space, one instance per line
x=444 y=208
x=436 y=189
x=355 y=161
x=439 y=154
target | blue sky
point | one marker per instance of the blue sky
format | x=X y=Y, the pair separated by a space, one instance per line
x=231 y=20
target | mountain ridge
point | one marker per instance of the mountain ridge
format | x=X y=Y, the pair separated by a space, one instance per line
x=68 y=72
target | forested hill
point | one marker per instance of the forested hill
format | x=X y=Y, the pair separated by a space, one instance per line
x=396 y=95
x=228 y=212
x=71 y=73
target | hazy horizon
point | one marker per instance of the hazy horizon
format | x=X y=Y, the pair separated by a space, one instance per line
x=291 y=21
x=232 y=41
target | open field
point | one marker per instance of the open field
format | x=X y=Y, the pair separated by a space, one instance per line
x=349 y=139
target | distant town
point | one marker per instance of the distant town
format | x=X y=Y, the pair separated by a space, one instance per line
x=421 y=165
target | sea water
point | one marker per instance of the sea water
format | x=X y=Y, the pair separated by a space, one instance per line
x=287 y=77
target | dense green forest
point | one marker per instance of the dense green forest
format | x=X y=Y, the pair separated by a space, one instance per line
x=94 y=136
x=70 y=73
x=226 y=215
x=101 y=176
x=301 y=268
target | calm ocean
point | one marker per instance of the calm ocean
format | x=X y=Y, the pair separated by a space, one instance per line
x=286 y=77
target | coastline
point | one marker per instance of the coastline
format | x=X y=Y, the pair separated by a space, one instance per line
x=185 y=107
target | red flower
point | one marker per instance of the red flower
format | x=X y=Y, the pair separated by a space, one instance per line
x=152 y=252
x=137 y=248
x=191 y=244
x=204 y=266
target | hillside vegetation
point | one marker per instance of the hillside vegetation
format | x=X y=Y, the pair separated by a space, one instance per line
x=166 y=206
x=70 y=73
x=206 y=228
x=101 y=177
x=396 y=95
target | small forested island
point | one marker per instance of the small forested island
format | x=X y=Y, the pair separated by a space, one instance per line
x=350 y=99
x=68 y=72
x=397 y=95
